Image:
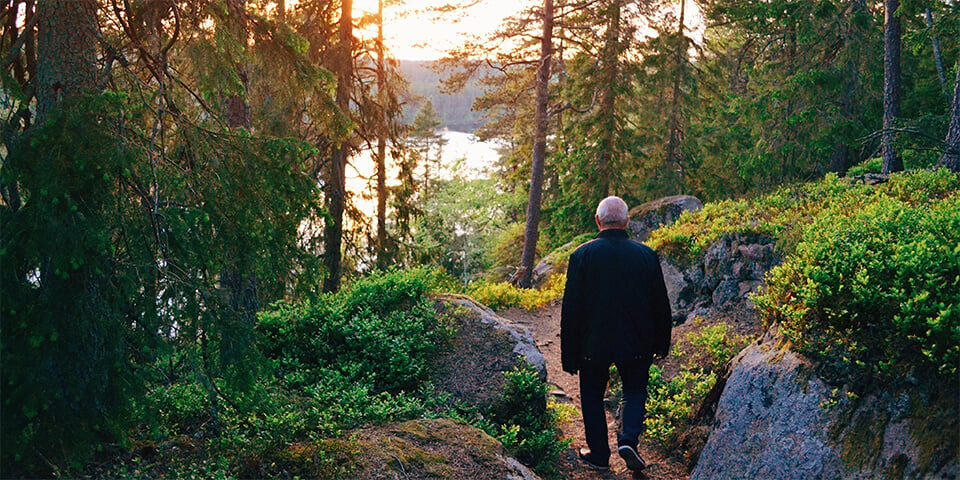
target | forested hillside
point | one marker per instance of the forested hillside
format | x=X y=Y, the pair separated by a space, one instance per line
x=183 y=267
x=455 y=111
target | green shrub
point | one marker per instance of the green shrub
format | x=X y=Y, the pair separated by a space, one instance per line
x=381 y=332
x=526 y=427
x=504 y=295
x=672 y=400
x=875 y=290
x=870 y=165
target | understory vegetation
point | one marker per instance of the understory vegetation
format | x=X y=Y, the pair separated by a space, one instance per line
x=358 y=358
x=870 y=284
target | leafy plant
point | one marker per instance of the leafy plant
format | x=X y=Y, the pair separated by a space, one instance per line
x=671 y=402
x=504 y=295
x=885 y=277
x=525 y=425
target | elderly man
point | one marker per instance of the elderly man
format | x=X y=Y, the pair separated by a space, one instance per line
x=615 y=312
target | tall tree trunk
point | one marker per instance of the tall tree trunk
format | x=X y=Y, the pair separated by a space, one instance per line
x=67 y=51
x=382 y=248
x=674 y=153
x=951 y=153
x=335 y=187
x=531 y=233
x=607 y=113
x=891 y=86
x=841 y=159
x=236 y=277
x=937 y=55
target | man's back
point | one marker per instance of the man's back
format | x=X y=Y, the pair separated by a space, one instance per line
x=615 y=307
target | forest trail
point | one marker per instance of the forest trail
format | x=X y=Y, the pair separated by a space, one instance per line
x=544 y=324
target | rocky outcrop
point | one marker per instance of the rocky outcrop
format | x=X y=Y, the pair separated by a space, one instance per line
x=417 y=449
x=777 y=419
x=730 y=269
x=652 y=215
x=524 y=346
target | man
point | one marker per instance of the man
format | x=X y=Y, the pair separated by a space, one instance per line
x=615 y=312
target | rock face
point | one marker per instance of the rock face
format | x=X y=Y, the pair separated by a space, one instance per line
x=652 y=215
x=777 y=419
x=435 y=448
x=729 y=270
x=525 y=347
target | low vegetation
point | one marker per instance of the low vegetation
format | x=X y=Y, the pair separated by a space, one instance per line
x=324 y=368
x=871 y=277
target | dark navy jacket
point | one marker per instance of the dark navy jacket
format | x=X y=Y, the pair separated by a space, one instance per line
x=615 y=305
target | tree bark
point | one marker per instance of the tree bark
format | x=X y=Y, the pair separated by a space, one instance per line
x=951 y=153
x=531 y=233
x=937 y=55
x=335 y=186
x=674 y=153
x=891 y=86
x=67 y=51
x=382 y=248
x=607 y=112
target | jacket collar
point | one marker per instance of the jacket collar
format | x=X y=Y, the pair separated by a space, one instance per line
x=613 y=233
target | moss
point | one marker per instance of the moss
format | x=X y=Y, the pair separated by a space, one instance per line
x=406 y=454
x=863 y=441
x=451 y=431
x=322 y=459
x=934 y=428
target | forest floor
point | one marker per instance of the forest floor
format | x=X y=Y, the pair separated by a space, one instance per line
x=544 y=324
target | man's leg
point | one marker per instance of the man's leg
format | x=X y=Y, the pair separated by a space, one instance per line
x=593 y=385
x=633 y=410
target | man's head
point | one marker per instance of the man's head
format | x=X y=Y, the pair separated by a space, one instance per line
x=612 y=213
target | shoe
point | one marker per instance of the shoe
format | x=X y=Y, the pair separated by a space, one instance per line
x=587 y=458
x=631 y=457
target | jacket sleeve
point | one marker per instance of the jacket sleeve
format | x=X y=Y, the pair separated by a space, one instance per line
x=571 y=318
x=660 y=306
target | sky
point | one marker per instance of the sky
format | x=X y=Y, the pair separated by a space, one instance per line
x=419 y=36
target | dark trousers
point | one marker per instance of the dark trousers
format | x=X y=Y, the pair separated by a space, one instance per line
x=593 y=386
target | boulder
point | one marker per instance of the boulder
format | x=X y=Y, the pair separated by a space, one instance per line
x=729 y=270
x=777 y=419
x=524 y=346
x=417 y=449
x=652 y=215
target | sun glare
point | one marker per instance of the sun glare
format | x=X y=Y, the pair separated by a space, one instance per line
x=413 y=31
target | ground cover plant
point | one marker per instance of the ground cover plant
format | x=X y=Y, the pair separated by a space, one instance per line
x=877 y=266
x=356 y=359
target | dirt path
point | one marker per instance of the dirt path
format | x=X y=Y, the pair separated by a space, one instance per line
x=544 y=324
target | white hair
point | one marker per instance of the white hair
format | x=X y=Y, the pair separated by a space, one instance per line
x=612 y=211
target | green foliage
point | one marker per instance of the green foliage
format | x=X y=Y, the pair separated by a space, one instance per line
x=379 y=334
x=672 y=400
x=526 y=427
x=883 y=275
x=870 y=165
x=460 y=221
x=504 y=295
x=115 y=258
x=786 y=212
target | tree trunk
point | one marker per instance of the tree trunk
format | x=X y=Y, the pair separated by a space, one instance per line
x=937 y=55
x=67 y=51
x=335 y=186
x=531 y=233
x=382 y=248
x=674 y=154
x=607 y=112
x=951 y=153
x=891 y=86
